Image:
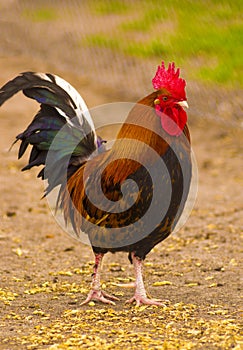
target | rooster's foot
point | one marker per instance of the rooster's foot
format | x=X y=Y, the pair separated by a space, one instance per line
x=101 y=296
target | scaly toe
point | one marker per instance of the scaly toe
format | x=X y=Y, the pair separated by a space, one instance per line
x=109 y=296
x=125 y=285
x=145 y=301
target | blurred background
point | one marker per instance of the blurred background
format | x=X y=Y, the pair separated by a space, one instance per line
x=116 y=45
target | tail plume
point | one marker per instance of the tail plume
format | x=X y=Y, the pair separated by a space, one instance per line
x=62 y=129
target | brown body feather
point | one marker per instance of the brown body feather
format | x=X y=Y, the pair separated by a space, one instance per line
x=140 y=133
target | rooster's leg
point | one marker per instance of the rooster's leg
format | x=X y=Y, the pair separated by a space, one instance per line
x=96 y=293
x=140 y=296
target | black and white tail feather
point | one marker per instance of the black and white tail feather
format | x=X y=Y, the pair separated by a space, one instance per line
x=62 y=130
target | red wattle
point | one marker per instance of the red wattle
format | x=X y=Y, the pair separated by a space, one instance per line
x=173 y=120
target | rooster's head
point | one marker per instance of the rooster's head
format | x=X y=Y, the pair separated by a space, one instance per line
x=171 y=97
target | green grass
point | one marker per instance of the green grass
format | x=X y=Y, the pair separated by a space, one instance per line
x=40 y=14
x=206 y=36
x=109 y=7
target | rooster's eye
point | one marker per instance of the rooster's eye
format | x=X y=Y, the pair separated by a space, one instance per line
x=165 y=98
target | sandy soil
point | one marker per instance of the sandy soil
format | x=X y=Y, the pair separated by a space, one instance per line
x=45 y=274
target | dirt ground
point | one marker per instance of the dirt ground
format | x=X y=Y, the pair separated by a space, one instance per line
x=45 y=274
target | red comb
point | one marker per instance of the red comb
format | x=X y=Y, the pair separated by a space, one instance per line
x=169 y=80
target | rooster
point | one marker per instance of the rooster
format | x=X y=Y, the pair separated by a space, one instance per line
x=107 y=193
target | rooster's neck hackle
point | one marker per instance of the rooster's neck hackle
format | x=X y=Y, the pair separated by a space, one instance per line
x=138 y=136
